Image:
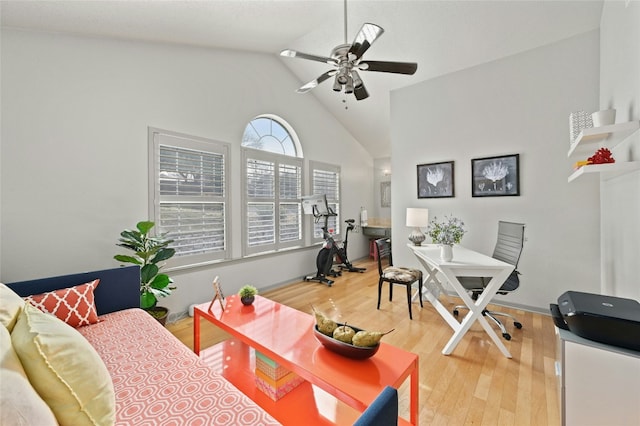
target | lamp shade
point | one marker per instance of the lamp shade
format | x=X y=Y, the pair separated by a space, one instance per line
x=418 y=218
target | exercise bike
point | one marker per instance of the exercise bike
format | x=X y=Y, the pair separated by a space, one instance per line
x=341 y=254
x=330 y=250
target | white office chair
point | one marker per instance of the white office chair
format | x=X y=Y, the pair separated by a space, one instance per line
x=508 y=249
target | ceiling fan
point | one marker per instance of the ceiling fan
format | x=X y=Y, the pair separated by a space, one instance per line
x=346 y=60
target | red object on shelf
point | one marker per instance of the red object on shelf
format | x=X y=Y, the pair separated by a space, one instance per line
x=602 y=156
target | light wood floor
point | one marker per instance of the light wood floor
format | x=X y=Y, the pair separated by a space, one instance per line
x=474 y=385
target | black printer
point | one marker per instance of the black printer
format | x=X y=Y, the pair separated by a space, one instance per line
x=606 y=319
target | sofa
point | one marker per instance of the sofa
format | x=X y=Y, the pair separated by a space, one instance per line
x=95 y=358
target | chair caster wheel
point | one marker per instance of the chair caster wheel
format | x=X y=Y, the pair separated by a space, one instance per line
x=506 y=336
x=518 y=325
x=455 y=312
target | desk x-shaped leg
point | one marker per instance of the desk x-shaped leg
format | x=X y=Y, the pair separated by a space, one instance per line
x=429 y=281
x=475 y=307
x=475 y=311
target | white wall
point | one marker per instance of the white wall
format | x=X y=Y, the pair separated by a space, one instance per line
x=74 y=149
x=620 y=197
x=516 y=105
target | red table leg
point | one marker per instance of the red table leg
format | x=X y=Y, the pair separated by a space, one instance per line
x=196 y=332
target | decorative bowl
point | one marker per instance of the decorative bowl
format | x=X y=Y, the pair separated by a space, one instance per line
x=345 y=349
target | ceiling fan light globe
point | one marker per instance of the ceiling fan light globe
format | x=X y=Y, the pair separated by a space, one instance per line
x=357 y=81
x=337 y=87
x=348 y=87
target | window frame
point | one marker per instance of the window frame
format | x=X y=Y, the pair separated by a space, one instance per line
x=277 y=160
x=332 y=168
x=158 y=138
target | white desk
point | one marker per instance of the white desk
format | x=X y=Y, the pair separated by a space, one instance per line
x=465 y=263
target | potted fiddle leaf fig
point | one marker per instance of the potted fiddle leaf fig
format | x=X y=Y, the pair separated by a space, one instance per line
x=149 y=252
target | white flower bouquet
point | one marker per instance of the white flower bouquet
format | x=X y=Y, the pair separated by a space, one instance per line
x=447 y=232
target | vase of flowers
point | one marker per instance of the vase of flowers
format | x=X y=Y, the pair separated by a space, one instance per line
x=446 y=233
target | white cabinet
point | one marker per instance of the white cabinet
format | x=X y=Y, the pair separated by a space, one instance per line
x=609 y=137
x=599 y=384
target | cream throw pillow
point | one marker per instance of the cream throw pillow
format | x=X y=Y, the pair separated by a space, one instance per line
x=64 y=368
x=10 y=306
x=20 y=404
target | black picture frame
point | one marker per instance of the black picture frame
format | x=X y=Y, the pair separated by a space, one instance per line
x=495 y=176
x=436 y=180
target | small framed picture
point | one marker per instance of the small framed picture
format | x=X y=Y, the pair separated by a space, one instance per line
x=495 y=176
x=217 y=290
x=385 y=194
x=435 y=180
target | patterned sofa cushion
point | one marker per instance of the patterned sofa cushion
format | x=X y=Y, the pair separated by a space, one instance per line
x=73 y=305
x=158 y=380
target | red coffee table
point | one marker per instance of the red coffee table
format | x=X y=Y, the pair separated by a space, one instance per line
x=337 y=389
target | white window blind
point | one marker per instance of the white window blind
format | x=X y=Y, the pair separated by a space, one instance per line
x=190 y=195
x=273 y=188
x=325 y=179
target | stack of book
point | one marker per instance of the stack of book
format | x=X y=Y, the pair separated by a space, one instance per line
x=273 y=379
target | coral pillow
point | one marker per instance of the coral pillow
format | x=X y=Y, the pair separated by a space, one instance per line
x=64 y=369
x=73 y=305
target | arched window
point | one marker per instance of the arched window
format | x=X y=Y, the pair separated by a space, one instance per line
x=272 y=134
x=272 y=188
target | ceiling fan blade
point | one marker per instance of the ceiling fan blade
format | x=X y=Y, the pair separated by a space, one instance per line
x=393 y=67
x=360 y=92
x=294 y=54
x=314 y=83
x=364 y=39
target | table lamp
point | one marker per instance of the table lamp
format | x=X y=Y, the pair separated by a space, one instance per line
x=417 y=218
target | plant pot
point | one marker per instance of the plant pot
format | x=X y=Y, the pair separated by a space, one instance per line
x=446 y=252
x=247 y=300
x=160 y=313
x=604 y=117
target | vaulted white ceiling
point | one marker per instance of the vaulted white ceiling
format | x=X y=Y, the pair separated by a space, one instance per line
x=441 y=36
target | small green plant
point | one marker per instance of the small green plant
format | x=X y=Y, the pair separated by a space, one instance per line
x=248 y=291
x=150 y=252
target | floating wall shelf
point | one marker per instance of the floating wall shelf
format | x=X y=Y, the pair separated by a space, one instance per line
x=609 y=136
x=607 y=171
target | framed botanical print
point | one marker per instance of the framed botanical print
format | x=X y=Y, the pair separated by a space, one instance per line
x=435 y=180
x=495 y=176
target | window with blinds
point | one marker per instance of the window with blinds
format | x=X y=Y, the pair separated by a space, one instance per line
x=190 y=194
x=272 y=187
x=273 y=192
x=325 y=179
